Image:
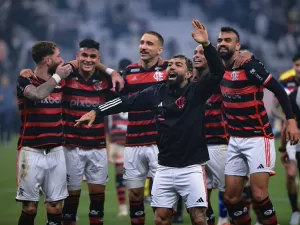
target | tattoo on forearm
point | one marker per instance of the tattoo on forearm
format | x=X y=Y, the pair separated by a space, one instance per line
x=40 y=92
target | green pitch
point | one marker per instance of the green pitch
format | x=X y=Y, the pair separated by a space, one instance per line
x=10 y=209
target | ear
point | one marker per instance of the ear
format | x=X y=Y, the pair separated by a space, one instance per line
x=160 y=50
x=47 y=60
x=77 y=55
x=188 y=75
x=238 y=46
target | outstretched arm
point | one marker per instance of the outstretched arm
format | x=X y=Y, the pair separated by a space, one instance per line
x=143 y=100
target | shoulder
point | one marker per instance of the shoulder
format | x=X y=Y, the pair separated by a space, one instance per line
x=23 y=81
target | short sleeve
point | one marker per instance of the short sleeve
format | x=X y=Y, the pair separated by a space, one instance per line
x=256 y=72
x=22 y=84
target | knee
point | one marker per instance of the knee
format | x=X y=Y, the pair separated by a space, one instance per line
x=259 y=194
x=136 y=194
x=291 y=173
x=162 y=218
x=54 y=207
x=230 y=199
x=30 y=208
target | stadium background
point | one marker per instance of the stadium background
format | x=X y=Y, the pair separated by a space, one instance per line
x=269 y=27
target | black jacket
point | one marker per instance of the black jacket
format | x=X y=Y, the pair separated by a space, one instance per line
x=178 y=114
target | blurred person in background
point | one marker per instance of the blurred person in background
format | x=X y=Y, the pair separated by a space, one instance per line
x=7 y=109
x=290 y=154
x=116 y=133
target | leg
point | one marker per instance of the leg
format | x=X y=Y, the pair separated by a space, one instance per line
x=29 y=211
x=117 y=157
x=97 y=198
x=261 y=160
x=54 y=212
x=30 y=174
x=75 y=170
x=236 y=169
x=215 y=177
x=138 y=162
x=96 y=172
x=163 y=216
x=198 y=215
x=164 y=195
x=190 y=182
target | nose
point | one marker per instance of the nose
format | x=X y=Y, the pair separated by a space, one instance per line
x=143 y=46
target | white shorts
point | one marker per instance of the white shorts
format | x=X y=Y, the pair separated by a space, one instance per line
x=90 y=163
x=188 y=182
x=36 y=170
x=116 y=153
x=215 y=167
x=291 y=150
x=140 y=162
x=250 y=155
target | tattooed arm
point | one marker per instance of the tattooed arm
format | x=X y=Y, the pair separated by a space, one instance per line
x=40 y=92
x=44 y=90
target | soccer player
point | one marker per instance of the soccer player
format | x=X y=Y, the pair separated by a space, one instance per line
x=41 y=161
x=116 y=133
x=140 y=154
x=251 y=147
x=290 y=153
x=179 y=107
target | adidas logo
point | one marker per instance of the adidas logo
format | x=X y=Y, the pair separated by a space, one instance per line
x=134 y=78
x=260 y=166
x=200 y=200
x=160 y=105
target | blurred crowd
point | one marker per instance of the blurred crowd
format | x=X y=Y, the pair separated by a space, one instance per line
x=271 y=28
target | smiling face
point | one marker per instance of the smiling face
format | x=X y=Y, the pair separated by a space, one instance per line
x=87 y=59
x=179 y=71
x=228 y=44
x=150 y=47
x=199 y=60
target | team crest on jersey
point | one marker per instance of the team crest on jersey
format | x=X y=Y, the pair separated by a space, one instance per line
x=98 y=86
x=158 y=76
x=234 y=75
x=180 y=102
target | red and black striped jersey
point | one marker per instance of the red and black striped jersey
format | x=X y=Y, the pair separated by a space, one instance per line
x=215 y=123
x=141 y=128
x=242 y=94
x=79 y=97
x=117 y=127
x=41 y=121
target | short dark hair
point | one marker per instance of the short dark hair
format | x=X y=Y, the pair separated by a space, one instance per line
x=89 y=43
x=296 y=57
x=231 y=29
x=188 y=62
x=42 y=49
x=154 y=33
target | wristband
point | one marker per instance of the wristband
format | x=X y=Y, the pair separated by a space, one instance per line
x=281 y=149
x=57 y=78
x=109 y=71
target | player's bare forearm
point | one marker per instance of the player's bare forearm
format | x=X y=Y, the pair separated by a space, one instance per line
x=40 y=92
x=101 y=67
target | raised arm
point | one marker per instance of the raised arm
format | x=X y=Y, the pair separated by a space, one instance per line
x=206 y=86
x=44 y=90
x=142 y=100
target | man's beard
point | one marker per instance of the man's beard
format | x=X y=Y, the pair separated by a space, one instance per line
x=226 y=55
x=52 y=69
x=175 y=84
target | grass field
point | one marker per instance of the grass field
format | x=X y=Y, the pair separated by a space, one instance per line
x=10 y=210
